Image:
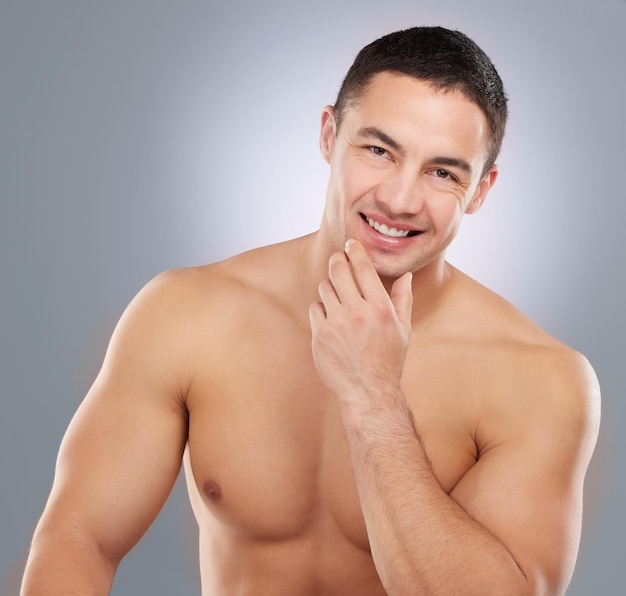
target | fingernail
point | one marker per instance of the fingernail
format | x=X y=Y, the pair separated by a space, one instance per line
x=349 y=243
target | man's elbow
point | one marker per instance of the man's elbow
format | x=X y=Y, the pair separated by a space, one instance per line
x=64 y=559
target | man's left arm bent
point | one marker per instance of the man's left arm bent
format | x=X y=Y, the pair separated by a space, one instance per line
x=511 y=525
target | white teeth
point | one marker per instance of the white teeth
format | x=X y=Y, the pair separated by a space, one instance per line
x=383 y=229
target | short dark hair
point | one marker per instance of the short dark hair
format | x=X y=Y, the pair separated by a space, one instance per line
x=448 y=60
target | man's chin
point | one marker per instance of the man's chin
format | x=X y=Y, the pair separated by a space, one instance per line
x=390 y=272
x=388 y=275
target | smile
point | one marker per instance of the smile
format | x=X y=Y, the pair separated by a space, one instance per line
x=387 y=231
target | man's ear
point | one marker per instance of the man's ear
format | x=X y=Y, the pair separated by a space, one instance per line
x=483 y=188
x=327 y=133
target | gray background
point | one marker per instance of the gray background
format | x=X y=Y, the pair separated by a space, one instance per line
x=137 y=136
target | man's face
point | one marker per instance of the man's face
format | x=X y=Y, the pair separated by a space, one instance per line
x=406 y=165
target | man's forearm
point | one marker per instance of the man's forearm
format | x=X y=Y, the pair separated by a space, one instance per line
x=422 y=541
x=64 y=561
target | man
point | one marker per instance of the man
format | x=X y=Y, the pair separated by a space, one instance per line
x=355 y=415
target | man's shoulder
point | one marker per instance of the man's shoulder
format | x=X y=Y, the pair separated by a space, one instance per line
x=537 y=367
x=206 y=292
x=492 y=317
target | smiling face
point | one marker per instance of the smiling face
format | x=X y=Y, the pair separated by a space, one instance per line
x=406 y=164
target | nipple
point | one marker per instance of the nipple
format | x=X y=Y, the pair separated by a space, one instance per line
x=212 y=490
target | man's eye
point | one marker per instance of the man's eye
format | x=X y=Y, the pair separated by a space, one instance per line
x=444 y=175
x=378 y=151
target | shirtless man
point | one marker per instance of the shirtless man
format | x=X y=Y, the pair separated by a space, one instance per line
x=355 y=415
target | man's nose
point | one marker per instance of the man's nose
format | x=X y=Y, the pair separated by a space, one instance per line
x=402 y=193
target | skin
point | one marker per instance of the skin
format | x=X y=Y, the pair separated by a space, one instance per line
x=353 y=413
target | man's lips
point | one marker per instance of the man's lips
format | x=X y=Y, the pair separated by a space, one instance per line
x=389 y=230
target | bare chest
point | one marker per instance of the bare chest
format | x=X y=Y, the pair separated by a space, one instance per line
x=267 y=450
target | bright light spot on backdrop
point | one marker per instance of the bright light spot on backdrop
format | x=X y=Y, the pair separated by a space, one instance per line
x=247 y=166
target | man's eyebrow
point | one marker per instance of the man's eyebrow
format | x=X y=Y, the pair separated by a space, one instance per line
x=372 y=131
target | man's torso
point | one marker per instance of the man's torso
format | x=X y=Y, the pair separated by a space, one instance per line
x=267 y=463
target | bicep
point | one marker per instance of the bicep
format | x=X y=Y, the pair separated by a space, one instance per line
x=115 y=469
x=527 y=491
x=123 y=449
